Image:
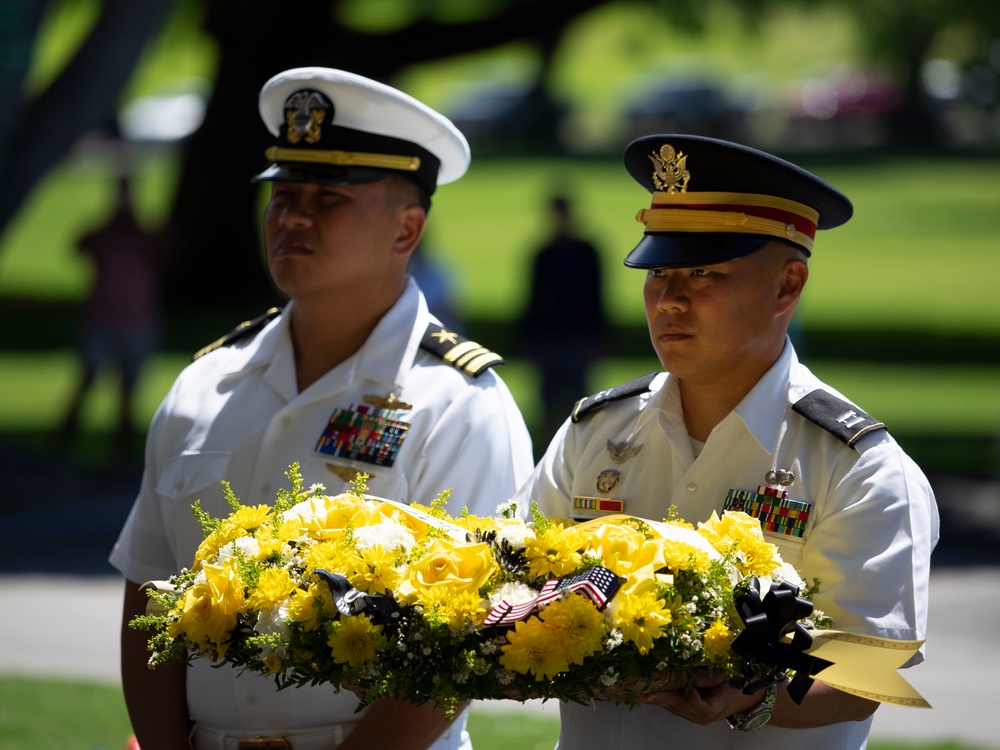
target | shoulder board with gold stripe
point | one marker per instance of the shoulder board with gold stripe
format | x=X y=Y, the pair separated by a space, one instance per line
x=459 y=352
x=626 y=390
x=837 y=416
x=247 y=328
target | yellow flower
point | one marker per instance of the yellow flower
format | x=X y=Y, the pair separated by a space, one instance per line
x=534 y=647
x=305 y=605
x=679 y=556
x=274 y=585
x=473 y=523
x=250 y=517
x=554 y=553
x=622 y=547
x=579 y=624
x=330 y=555
x=354 y=641
x=457 y=611
x=330 y=517
x=209 y=548
x=740 y=534
x=717 y=640
x=272 y=663
x=207 y=613
x=455 y=567
x=641 y=616
x=375 y=571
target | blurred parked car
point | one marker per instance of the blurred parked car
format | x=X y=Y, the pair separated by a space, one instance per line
x=696 y=105
x=847 y=107
x=505 y=117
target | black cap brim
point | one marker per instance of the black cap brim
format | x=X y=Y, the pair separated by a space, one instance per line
x=320 y=175
x=676 y=250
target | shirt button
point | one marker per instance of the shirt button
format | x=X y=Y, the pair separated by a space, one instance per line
x=251 y=698
x=265 y=489
x=692 y=487
x=286 y=422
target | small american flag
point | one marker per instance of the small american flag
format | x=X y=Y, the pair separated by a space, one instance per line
x=597 y=583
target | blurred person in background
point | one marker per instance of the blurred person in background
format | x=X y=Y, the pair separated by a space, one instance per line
x=564 y=324
x=120 y=320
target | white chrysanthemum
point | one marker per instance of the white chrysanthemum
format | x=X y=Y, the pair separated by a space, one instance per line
x=274 y=622
x=387 y=535
x=245 y=545
x=513 y=593
x=317 y=489
x=516 y=533
x=786 y=572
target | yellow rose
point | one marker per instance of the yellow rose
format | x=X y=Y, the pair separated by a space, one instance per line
x=460 y=567
x=208 y=611
x=623 y=548
x=328 y=517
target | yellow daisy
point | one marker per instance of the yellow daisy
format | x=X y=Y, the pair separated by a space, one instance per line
x=274 y=585
x=642 y=617
x=250 y=517
x=717 y=640
x=533 y=647
x=554 y=553
x=354 y=641
x=579 y=624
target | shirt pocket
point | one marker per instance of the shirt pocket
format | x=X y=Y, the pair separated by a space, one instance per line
x=192 y=476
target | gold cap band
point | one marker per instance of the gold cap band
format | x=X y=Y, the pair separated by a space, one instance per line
x=344 y=158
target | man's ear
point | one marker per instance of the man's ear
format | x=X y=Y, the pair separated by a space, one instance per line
x=411 y=227
x=793 y=280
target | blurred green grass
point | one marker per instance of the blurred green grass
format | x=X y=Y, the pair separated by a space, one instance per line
x=921 y=251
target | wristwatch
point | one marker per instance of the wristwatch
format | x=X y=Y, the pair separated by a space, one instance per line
x=756 y=717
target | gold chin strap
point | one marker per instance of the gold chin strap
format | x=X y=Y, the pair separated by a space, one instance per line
x=344 y=158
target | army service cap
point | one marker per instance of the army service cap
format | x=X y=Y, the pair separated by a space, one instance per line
x=339 y=128
x=715 y=201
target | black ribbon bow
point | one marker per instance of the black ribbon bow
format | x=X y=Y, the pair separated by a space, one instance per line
x=380 y=609
x=766 y=620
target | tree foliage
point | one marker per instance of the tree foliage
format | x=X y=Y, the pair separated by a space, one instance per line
x=214 y=219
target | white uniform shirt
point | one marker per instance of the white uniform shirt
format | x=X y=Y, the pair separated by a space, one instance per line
x=235 y=414
x=871 y=527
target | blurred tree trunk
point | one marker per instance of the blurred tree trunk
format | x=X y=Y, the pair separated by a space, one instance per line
x=219 y=260
x=82 y=98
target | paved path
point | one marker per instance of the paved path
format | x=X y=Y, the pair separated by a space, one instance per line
x=63 y=626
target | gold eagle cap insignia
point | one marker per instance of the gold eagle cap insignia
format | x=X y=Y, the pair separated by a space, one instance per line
x=670 y=172
x=623 y=451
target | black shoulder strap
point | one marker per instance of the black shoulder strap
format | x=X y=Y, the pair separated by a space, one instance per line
x=626 y=390
x=458 y=351
x=243 y=330
x=837 y=416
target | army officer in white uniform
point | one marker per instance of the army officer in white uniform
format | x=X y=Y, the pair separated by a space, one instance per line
x=354 y=354
x=734 y=419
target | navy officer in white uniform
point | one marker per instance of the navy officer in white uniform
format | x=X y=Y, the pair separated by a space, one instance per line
x=734 y=419
x=355 y=352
